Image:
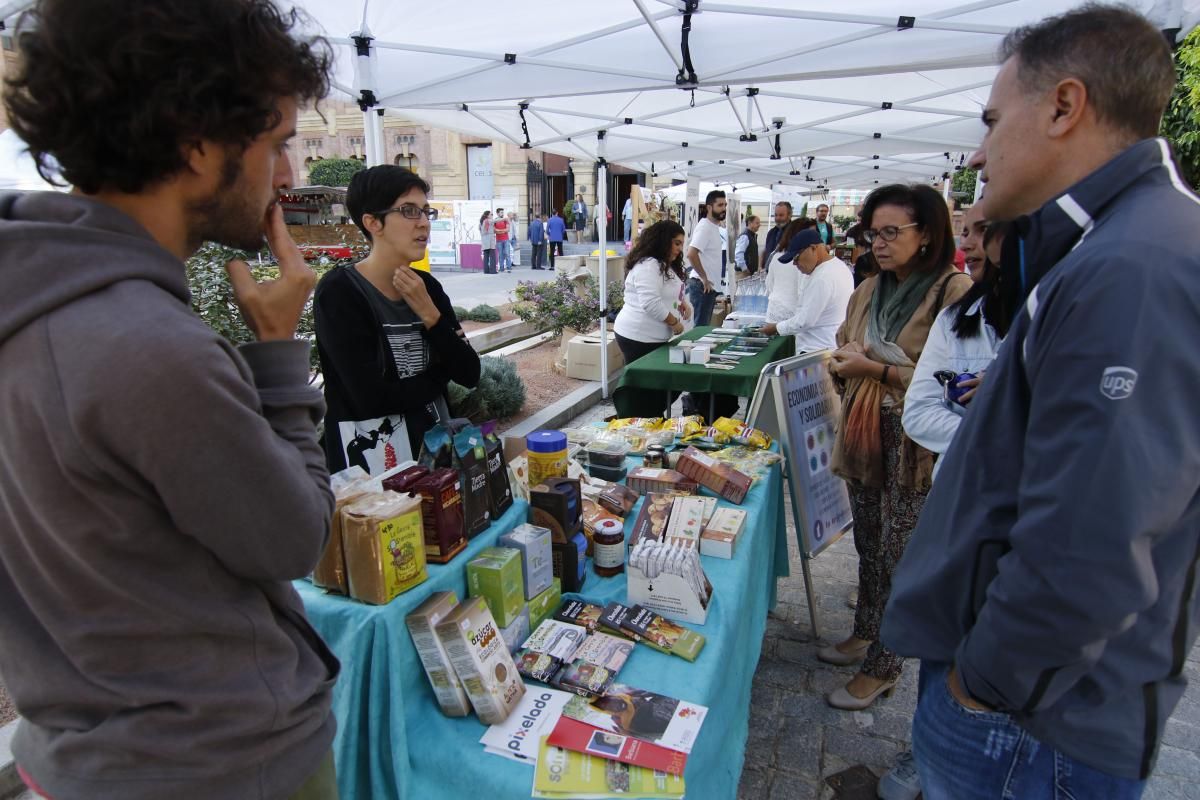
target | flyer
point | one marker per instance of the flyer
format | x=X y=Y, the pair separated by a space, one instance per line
x=517 y=737
x=651 y=717
x=574 y=735
x=565 y=774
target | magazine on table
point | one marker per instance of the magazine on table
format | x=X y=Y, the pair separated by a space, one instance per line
x=574 y=735
x=518 y=737
x=654 y=718
x=575 y=776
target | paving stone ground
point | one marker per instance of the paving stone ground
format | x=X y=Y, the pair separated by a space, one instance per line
x=797 y=741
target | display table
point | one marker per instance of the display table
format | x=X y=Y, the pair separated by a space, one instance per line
x=654 y=371
x=393 y=742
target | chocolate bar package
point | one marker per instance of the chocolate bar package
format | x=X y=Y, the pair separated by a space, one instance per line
x=470 y=459
x=499 y=489
x=481 y=660
x=584 y=678
x=495 y=574
x=537 y=666
x=577 y=612
x=442 y=514
x=330 y=572
x=618 y=499
x=644 y=480
x=612 y=621
x=713 y=474
x=422 y=620
x=556 y=638
x=663 y=634
x=606 y=651
x=537 y=561
x=383 y=544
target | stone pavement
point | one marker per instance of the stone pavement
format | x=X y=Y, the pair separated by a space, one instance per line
x=796 y=740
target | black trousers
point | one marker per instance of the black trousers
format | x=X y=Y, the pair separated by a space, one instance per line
x=641 y=402
x=555 y=246
x=539 y=252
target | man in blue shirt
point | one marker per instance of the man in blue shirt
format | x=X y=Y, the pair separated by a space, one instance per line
x=556 y=229
x=537 y=238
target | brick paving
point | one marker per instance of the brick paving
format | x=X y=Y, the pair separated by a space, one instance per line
x=796 y=740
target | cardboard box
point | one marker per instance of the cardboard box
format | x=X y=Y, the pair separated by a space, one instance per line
x=686 y=520
x=481 y=660
x=384 y=546
x=448 y=689
x=516 y=633
x=545 y=604
x=533 y=542
x=583 y=356
x=668 y=594
x=716 y=475
x=495 y=575
x=722 y=533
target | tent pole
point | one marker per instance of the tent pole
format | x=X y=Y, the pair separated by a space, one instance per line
x=602 y=231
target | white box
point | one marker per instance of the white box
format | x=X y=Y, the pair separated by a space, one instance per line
x=677 y=354
x=536 y=558
x=699 y=354
x=669 y=595
x=446 y=685
x=481 y=659
x=583 y=356
x=721 y=535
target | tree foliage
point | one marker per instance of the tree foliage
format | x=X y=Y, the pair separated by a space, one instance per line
x=334 y=171
x=1181 y=123
x=964 y=181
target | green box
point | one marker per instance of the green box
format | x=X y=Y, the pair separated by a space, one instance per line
x=495 y=575
x=542 y=606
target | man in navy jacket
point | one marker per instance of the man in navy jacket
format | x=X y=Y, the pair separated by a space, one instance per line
x=1050 y=587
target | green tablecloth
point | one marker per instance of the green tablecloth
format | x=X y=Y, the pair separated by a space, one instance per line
x=654 y=371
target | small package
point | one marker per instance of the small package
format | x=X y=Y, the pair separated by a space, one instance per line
x=537 y=563
x=517 y=631
x=537 y=666
x=678 y=354
x=584 y=678
x=653 y=479
x=651 y=522
x=330 y=572
x=499 y=488
x=613 y=619
x=437 y=449
x=686 y=520
x=699 y=354
x=713 y=474
x=577 y=612
x=618 y=499
x=741 y=433
x=722 y=533
x=384 y=547
x=483 y=664
x=542 y=606
x=556 y=638
x=495 y=575
x=606 y=651
x=647 y=423
x=403 y=481
x=448 y=689
x=470 y=459
x=442 y=515
x=663 y=634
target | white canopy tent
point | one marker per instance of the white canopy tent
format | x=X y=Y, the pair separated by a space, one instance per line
x=18 y=172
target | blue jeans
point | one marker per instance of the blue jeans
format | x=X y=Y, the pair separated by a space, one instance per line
x=628 y=227
x=701 y=302
x=504 y=249
x=963 y=754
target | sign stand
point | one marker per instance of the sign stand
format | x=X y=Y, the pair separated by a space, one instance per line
x=795 y=402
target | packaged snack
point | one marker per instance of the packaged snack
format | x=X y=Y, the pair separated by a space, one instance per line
x=618 y=499
x=607 y=453
x=542 y=606
x=330 y=572
x=584 y=678
x=649 y=479
x=442 y=514
x=556 y=638
x=385 y=554
x=537 y=563
x=741 y=433
x=500 y=493
x=577 y=612
x=710 y=508
x=495 y=575
x=579 y=435
x=651 y=522
x=481 y=660
x=707 y=436
x=748 y=460
x=647 y=423
x=422 y=620
x=686 y=521
x=403 y=481
x=537 y=666
x=663 y=634
x=470 y=459
x=715 y=475
x=721 y=535
x=605 y=651
x=594 y=514
x=684 y=426
x=566 y=773
x=612 y=621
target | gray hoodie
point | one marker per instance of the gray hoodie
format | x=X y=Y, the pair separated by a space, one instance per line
x=159 y=490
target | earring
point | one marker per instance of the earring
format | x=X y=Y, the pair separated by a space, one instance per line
x=924 y=248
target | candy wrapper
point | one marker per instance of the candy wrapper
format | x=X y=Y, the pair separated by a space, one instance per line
x=741 y=433
x=684 y=426
x=748 y=460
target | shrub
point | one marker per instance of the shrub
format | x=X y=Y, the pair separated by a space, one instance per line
x=565 y=303
x=334 y=171
x=500 y=393
x=484 y=313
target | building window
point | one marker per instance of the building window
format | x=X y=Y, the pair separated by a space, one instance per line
x=357 y=141
x=405 y=138
x=312 y=144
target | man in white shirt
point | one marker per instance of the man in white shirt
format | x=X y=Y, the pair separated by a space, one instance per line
x=704 y=256
x=827 y=291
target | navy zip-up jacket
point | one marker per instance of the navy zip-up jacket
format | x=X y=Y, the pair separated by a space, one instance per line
x=1055 y=559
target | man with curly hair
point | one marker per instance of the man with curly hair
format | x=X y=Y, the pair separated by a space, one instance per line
x=159 y=488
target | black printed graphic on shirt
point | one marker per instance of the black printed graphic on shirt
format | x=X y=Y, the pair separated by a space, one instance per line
x=410 y=350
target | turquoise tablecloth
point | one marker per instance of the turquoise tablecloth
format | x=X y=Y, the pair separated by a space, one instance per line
x=393 y=742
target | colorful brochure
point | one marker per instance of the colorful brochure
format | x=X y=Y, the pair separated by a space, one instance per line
x=565 y=774
x=653 y=718
x=574 y=735
x=518 y=737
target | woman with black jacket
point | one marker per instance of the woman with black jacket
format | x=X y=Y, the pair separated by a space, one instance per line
x=387 y=336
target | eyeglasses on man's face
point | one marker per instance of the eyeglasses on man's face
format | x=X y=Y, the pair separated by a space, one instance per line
x=888 y=232
x=409 y=211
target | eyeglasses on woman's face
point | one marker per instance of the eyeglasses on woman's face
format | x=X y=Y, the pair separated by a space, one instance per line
x=409 y=211
x=888 y=232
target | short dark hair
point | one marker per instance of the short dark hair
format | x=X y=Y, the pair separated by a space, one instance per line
x=1122 y=59
x=784 y=203
x=822 y=205
x=375 y=189
x=713 y=196
x=115 y=90
x=498 y=210
x=928 y=209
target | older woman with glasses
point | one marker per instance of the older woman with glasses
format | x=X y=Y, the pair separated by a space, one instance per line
x=887 y=321
x=387 y=336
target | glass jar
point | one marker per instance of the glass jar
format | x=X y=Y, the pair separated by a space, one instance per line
x=608 y=548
